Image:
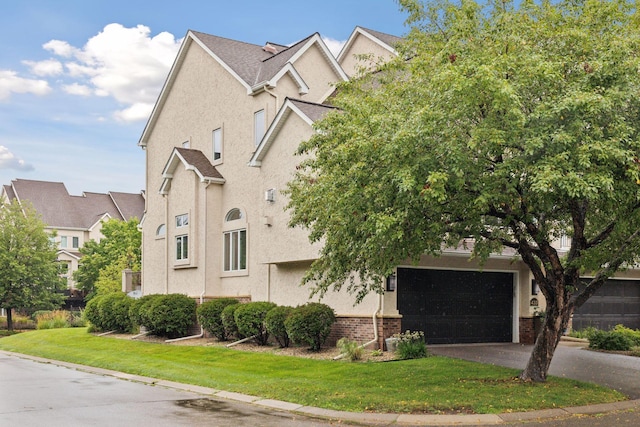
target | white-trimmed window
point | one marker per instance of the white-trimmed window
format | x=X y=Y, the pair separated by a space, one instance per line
x=258 y=126
x=63 y=241
x=161 y=231
x=216 y=138
x=235 y=242
x=75 y=242
x=182 y=220
x=182 y=247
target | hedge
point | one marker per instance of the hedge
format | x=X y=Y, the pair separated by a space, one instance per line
x=249 y=319
x=274 y=322
x=310 y=324
x=209 y=316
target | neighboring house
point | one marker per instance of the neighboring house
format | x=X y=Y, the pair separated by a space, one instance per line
x=75 y=219
x=220 y=147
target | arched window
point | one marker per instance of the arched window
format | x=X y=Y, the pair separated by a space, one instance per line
x=161 y=230
x=235 y=241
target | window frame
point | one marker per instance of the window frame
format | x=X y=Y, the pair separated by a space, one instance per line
x=63 y=242
x=235 y=243
x=75 y=242
x=182 y=220
x=182 y=248
x=217 y=145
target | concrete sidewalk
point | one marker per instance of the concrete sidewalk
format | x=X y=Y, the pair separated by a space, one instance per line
x=370 y=419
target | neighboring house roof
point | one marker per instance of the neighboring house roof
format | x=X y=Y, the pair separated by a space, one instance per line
x=59 y=209
x=387 y=41
x=255 y=67
x=128 y=204
x=310 y=112
x=193 y=160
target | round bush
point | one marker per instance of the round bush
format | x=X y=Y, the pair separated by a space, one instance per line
x=92 y=312
x=250 y=317
x=610 y=340
x=229 y=321
x=140 y=310
x=274 y=322
x=172 y=315
x=114 y=312
x=310 y=324
x=209 y=316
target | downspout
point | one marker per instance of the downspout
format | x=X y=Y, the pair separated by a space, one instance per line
x=166 y=244
x=375 y=329
x=200 y=335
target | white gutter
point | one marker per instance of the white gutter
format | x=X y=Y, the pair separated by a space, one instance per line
x=241 y=341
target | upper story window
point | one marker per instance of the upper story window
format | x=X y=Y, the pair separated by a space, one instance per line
x=235 y=242
x=217 y=145
x=259 y=126
x=75 y=242
x=182 y=220
x=161 y=230
x=63 y=241
x=182 y=247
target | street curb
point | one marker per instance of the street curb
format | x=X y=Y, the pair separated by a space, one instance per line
x=363 y=418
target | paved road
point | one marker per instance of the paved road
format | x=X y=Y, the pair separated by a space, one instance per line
x=571 y=360
x=39 y=394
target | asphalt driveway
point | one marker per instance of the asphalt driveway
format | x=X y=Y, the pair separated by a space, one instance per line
x=571 y=360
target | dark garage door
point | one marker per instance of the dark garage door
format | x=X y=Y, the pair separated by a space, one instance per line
x=617 y=302
x=456 y=306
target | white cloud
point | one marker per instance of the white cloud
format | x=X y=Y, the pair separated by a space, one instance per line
x=334 y=45
x=11 y=83
x=77 y=89
x=49 y=67
x=124 y=63
x=9 y=161
x=138 y=111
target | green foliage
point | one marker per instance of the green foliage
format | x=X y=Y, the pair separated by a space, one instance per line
x=140 y=309
x=632 y=334
x=310 y=324
x=585 y=333
x=274 y=322
x=20 y=322
x=171 y=315
x=229 y=321
x=209 y=314
x=250 y=319
x=109 y=312
x=610 y=340
x=411 y=345
x=102 y=262
x=52 y=319
x=352 y=349
x=28 y=270
x=635 y=351
x=513 y=123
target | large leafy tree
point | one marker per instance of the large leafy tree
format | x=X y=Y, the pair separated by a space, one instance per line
x=511 y=124
x=29 y=276
x=101 y=266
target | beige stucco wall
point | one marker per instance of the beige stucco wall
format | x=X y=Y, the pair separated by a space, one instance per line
x=351 y=64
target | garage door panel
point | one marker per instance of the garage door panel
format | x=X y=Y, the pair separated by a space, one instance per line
x=617 y=302
x=456 y=306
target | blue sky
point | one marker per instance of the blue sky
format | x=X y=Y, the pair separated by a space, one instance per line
x=78 y=77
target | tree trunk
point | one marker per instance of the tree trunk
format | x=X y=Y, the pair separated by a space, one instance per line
x=555 y=322
x=9 y=320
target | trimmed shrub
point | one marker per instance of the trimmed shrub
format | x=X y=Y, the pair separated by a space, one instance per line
x=92 y=312
x=140 y=310
x=610 y=340
x=229 y=321
x=209 y=316
x=249 y=319
x=632 y=334
x=310 y=324
x=274 y=322
x=113 y=310
x=172 y=315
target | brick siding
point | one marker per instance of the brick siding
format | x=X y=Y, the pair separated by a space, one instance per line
x=360 y=329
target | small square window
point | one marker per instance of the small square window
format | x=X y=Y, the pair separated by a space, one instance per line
x=182 y=220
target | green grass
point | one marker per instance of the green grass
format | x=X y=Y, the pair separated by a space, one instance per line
x=430 y=385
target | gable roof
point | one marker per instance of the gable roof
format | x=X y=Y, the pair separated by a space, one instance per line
x=310 y=112
x=128 y=204
x=59 y=209
x=387 y=41
x=193 y=160
x=254 y=67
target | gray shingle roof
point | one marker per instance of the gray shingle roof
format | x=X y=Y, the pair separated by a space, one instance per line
x=198 y=160
x=129 y=204
x=389 y=39
x=60 y=209
x=312 y=110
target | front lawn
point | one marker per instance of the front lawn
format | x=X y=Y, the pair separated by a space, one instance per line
x=431 y=385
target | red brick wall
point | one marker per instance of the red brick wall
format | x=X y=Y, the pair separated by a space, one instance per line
x=360 y=329
x=528 y=330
